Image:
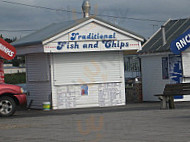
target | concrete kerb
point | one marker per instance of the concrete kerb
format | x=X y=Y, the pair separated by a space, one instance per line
x=145 y=106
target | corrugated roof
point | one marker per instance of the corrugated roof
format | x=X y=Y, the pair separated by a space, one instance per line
x=39 y=36
x=121 y=28
x=173 y=29
x=45 y=33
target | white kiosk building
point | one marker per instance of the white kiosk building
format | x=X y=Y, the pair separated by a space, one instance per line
x=77 y=63
x=160 y=66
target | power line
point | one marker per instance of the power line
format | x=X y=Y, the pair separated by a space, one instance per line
x=7 y=30
x=63 y=10
x=36 y=6
x=139 y=19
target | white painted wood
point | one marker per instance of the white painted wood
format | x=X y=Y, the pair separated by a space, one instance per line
x=70 y=97
x=122 y=72
x=92 y=20
x=66 y=93
x=53 y=87
x=119 y=40
x=152 y=82
x=94 y=28
x=82 y=68
x=99 y=95
x=186 y=70
x=93 y=46
x=186 y=64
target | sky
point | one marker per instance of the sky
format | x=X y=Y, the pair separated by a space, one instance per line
x=143 y=17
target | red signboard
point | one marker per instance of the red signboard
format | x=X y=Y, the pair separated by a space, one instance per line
x=7 y=51
x=1 y=72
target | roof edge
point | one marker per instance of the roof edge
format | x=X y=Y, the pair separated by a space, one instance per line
x=156 y=32
x=27 y=44
x=119 y=27
x=94 y=17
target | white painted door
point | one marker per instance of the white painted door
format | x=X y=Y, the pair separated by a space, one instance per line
x=88 y=80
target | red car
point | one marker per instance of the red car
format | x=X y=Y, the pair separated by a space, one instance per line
x=11 y=96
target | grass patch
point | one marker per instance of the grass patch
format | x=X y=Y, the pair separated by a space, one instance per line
x=15 y=78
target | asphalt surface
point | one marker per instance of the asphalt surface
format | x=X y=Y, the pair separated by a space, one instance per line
x=140 y=122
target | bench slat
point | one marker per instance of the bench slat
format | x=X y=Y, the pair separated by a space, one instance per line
x=176 y=87
x=179 y=92
x=186 y=85
x=178 y=84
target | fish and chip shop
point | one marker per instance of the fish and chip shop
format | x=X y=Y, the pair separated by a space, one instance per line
x=165 y=59
x=78 y=63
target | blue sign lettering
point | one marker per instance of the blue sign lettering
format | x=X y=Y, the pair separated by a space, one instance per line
x=77 y=36
x=85 y=46
x=107 y=44
x=67 y=45
x=60 y=45
x=112 y=44
x=181 y=43
x=74 y=35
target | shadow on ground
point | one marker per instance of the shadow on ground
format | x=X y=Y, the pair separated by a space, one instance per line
x=145 y=106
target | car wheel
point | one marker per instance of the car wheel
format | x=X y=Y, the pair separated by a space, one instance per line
x=7 y=106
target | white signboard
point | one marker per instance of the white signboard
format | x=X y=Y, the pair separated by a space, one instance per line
x=92 y=37
x=91 y=42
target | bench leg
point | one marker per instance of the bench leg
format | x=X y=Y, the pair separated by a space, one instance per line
x=171 y=102
x=163 y=103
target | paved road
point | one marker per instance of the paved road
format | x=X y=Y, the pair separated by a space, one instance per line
x=132 y=123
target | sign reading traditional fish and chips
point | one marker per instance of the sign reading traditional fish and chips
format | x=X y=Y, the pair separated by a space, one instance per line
x=91 y=42
x=181 y=43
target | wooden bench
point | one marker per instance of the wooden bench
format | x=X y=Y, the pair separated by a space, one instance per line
x=170 y=91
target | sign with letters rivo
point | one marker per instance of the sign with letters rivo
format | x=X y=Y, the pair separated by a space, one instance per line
x=7 y=51
x=181 y=43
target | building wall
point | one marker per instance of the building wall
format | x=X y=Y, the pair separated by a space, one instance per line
x=186 y=63
x=186 y=70
x=99 y=95
x=38 y=79
x=102 y=72
x=152 y=82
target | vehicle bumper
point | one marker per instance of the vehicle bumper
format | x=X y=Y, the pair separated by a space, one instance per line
x=21 y=98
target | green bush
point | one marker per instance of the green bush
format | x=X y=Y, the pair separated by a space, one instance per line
x=15 y=78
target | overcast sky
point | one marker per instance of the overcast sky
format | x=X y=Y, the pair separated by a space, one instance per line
x=19 y=17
